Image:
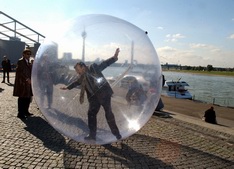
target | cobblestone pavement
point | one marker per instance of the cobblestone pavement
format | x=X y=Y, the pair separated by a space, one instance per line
x=161 y=143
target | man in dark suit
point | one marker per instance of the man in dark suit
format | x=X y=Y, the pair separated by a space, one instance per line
x=6 y=67
x=98 y=92
x=22 y=86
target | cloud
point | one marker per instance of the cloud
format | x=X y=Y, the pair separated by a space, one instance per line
x=166 y=49
x=201 y=46
x=174 y=37
x=231 y=36
x=196 y=55
x=172 y=55
x=178 y=36
x=198 y=45
x=160 y=28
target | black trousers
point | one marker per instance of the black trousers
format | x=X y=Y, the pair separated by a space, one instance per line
x=94 y=107
x=4 y=76
x=48 y=93
x=23 y=106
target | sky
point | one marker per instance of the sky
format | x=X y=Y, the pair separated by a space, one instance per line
x=183 y=32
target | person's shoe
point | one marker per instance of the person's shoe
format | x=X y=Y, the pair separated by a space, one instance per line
x=118 y=137
x=22 y=117
x=29 y=114
x=3 y=81
x=90 y=137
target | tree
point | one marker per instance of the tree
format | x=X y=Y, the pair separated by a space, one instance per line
x=209 y=68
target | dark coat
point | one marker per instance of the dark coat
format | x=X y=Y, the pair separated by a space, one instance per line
x=6 y=65
x=23 y=72
x=210 y=116
x=94 y=73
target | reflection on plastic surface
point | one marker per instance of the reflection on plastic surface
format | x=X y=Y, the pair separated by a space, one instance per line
x=134 y=79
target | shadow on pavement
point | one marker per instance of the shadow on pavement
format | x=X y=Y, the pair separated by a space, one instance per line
x=46 y=133
x=1 y=90
x=138 y=151
x=10 y=84
x=163 y=114
x=129 y=153
x=222 y=125
x=76 y=121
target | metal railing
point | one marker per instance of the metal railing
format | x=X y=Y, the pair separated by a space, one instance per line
x=226 y=102
x=15 y=30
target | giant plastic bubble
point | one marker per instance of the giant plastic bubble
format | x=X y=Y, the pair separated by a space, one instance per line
x=135 y=79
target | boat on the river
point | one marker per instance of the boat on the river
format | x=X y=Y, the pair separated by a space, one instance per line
x=177 y=89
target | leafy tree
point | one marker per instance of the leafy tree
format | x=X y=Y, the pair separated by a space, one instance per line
x=200 y=68
x=209 y=68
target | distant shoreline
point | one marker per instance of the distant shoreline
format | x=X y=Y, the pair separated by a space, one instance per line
x=211 y=73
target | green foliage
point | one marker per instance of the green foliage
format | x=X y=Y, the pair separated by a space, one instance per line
x=209 y=68
x=205 y=72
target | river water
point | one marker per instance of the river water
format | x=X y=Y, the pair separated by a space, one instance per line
x=207 y=88
x=211 y=89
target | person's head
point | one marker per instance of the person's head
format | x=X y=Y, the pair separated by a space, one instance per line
x=27 y=53
x=4 y=57
x=80 y=68
x=212 y=108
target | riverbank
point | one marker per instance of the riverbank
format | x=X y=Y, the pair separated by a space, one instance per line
x=196 y=109
x=209 y=73
x=210 y=89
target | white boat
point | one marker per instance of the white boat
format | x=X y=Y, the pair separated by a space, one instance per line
x=176 y=89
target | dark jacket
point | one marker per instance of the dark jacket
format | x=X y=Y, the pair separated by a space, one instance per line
x=6 y=65
x=23 y=72
x=210 y=116
x=96 y=84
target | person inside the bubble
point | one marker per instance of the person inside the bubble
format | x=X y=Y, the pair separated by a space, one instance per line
x=46 y=76
x=99 y=93
x=136 y=94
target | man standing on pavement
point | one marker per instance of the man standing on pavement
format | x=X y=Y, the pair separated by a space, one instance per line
x=22 y=86
x=6 y=68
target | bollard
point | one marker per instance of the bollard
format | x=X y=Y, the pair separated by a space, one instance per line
x=193 y=97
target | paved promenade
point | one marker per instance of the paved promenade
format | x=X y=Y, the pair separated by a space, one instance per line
x=168 y=140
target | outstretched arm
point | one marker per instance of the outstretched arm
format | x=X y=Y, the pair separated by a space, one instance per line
x=72 y=85
x=109 y=61
x=116 y=53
